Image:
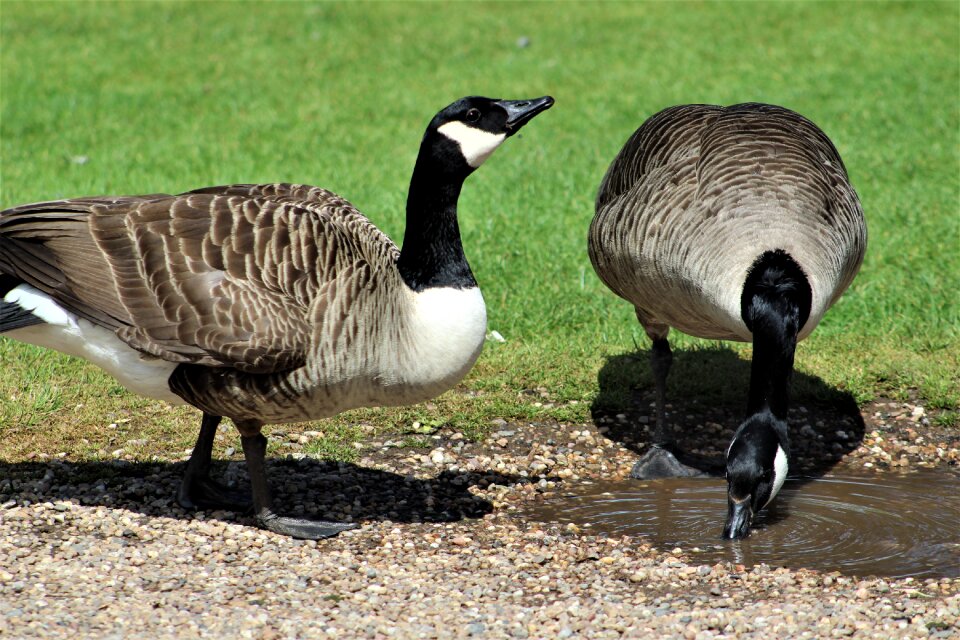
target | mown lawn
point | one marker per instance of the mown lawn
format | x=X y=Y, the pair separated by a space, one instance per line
x=114 y=98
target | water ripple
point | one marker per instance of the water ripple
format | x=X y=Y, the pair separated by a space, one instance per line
x=893 y=525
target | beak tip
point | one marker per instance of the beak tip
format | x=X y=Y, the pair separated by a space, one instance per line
x=730 y=534
x=739 y=519
x=520 y=112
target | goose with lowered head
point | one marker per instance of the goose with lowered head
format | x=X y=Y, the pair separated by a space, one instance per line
x=731 y=223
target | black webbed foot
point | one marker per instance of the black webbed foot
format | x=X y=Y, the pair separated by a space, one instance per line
x=657 y=462
x=301 y=528
x=197 y=489
x=204 y=493
x=255 y=448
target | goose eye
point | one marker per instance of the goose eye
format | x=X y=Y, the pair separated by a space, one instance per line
x=473 y=115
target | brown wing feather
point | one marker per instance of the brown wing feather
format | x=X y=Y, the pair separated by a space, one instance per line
x=48 y=245
x=224 y=276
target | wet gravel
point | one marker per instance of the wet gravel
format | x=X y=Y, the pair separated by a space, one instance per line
x=100 y=550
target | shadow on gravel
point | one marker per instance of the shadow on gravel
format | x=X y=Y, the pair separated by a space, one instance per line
x=706 y=400
x=319 y=489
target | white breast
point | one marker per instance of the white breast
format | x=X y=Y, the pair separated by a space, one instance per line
x=67 y=333
x=446 y=330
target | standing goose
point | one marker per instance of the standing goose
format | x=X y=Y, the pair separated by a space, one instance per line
x=731 y=223
x=263 y=303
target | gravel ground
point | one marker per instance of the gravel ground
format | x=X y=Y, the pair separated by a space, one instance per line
x=99 y=549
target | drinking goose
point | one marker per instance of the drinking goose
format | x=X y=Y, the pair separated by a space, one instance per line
x=265 y=303
x=731 y=223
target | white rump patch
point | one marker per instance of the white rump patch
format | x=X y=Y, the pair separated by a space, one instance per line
x=476 y=145
x=447 y=330
x=780 y=467
x=78 y=337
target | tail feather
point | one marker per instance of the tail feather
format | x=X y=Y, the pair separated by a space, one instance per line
x=13 y=316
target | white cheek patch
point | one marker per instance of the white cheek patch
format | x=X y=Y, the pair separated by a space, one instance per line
x=780 y=467
x=476 y=145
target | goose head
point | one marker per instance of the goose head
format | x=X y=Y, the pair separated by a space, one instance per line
x=463 y=135
x=756 y=468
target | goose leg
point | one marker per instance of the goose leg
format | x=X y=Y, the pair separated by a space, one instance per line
x=197 y=489
x=255 y=449
x=659 y=461
x=660 y=360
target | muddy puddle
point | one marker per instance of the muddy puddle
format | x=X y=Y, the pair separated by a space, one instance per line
x=893 y=525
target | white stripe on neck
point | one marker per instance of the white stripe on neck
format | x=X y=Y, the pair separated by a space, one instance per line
x=476 y=145
x=780 y=467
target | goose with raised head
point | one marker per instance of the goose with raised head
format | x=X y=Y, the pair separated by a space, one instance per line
x=265 y=303
x=730 y=223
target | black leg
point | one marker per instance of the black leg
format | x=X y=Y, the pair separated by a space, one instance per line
x=660 y=360
x=255 y=450
x=197 y=490
x=659 y=461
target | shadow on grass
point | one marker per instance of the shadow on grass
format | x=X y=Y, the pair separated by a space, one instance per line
x=317 y=489
x=706 y=401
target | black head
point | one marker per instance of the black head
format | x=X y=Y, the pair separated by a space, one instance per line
x=757 y=464
x=465 y=133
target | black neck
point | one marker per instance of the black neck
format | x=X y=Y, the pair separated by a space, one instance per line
x=774 y=343
x=432 y=253
x=775 y=304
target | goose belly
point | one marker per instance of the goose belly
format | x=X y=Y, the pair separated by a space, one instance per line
x=67 y=333
x=681 y=294
x=418 y=350
x=688 y=271
x=691 y=307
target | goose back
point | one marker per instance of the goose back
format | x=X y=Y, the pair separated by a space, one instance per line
x=699 y=192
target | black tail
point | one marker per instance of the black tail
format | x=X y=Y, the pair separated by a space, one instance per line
x=775 y=304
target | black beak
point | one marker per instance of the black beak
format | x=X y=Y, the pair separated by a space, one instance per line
x=739 y=515
x=520 y=112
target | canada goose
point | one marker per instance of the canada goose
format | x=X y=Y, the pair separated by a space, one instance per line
x=264 y=303
x=731 y=223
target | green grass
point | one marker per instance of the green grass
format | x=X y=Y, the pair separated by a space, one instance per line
x=100 y=98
